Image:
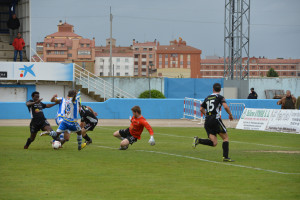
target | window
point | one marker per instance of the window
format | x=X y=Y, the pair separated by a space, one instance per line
x=166 y=56
x=118 y=73
x=277 y=67
x=126 y=74
x=101 y=66
x=181 y=62
x=189 y=57
x=150 y=49
x=83 y=65
x=55 y=45
x=62 y=45
x=284 y=67
x=118 y=59
x=144 y=56
x=284 y=73
x=69 y=55
x=136 y=49
x=136 y=63
x=166 y=62
x=126 y=67
x=126 y=60
x=82 y=45
x=160 y=56
x=145 y=49
x=207 y=73
x=261 y=67
x=87 y=45
x=150 y=55
x=143 y=63
x=188 y=62
x=293 y=67
x=207 y=67
x=48 y=45
x=118 y=66
x=292 y=73
x=136 y=70
x=253 y=67
x=136 y=55
x=160 y=62
x=69 y=48
x=269 y=67
x=174 y=55
x=84 y=52
x=101 y=73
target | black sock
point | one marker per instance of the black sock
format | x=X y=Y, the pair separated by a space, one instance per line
x=28 y=142
x=86 y=137
x=205 y=142
x=225 y=146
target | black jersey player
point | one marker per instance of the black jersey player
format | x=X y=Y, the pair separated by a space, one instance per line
x=38 y=120
x=88 y=122
x=213 y=124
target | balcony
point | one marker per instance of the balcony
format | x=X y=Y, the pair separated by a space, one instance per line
x=144 y=67
x=144 y=73
x=136 y=59
x=144 y=59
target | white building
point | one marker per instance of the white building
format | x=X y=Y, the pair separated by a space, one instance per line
x=122 y=64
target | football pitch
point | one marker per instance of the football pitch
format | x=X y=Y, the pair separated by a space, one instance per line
x=267 y=166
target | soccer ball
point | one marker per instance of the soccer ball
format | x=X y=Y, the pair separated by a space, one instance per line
x=56 y=144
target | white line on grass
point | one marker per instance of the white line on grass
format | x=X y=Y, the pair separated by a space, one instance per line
x=204 y=160
x=180 y=136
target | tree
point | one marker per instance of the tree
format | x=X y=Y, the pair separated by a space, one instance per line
x=272 y=73
x=154 y=94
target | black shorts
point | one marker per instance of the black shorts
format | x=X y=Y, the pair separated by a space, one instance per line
x=90 y=126
x=214 y=126
x=126 y=134
x=35 y=126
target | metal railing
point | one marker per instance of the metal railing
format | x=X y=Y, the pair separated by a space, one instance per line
x=94 y=83
x=98 y=85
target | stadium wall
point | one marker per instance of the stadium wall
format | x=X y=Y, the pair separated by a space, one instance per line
x=262 y=84
x=136 y=86
x=120 y=108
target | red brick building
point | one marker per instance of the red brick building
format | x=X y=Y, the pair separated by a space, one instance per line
x=144 y=57
x=66 y=46
x=178 y=60
x=258 y=67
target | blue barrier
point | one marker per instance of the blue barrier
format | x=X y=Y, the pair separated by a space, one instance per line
x=190 y=87
x=120 y=108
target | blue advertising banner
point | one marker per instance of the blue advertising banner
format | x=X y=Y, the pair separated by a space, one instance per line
x=36 y=71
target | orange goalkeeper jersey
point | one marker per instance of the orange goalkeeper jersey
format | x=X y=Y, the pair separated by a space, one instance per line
x=137 y=126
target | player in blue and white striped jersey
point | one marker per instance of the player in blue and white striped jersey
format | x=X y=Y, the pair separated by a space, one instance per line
x=70 y=106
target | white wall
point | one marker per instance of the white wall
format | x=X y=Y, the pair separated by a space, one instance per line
x=47 y=92
x=262 y=84
x=10 y=94
x=99 y=67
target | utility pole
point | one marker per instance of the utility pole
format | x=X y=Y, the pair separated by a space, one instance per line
x=110 y=50
x=149 y=81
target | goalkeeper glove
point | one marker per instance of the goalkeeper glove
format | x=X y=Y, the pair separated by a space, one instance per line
x=152 y=141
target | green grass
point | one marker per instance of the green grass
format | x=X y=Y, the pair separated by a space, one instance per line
x=105 y=173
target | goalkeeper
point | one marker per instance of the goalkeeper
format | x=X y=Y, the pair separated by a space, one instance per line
x=133 y=133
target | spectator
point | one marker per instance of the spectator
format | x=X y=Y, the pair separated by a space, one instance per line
x=287 y=102
x=298 y=103
x=252 y=94
x=18 y=45
x=13 y=25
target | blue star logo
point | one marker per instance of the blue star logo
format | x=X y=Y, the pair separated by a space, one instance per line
x=27 y=69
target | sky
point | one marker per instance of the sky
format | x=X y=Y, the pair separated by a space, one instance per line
x=274 y=24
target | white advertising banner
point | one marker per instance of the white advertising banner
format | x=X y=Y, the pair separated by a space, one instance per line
x=36 y=71
x=273 y=120
x=254 y=119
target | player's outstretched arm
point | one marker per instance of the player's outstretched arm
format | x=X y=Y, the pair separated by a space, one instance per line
x=228 y=111
x=150 y=130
